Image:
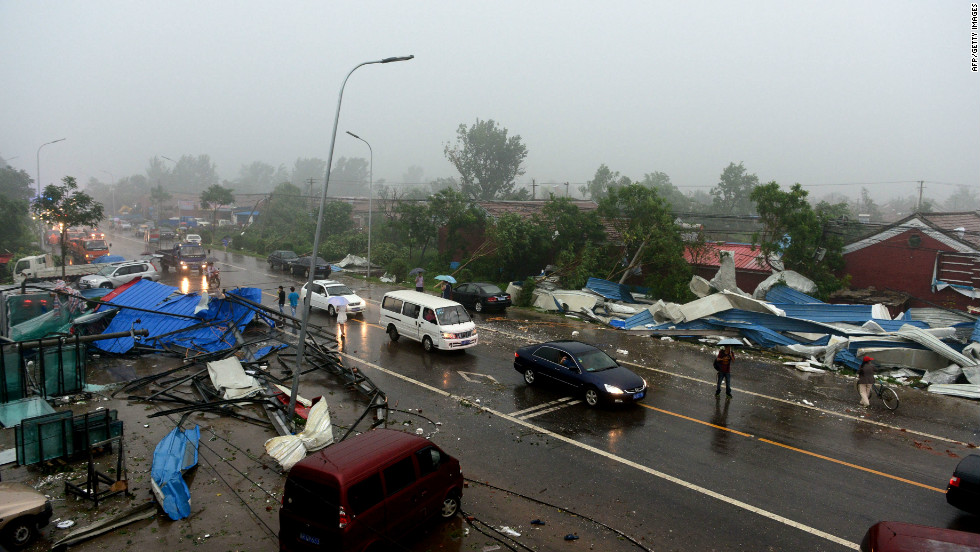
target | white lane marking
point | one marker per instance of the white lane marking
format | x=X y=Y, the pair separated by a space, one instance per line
x=646 y=469
x=537 y=406
x=475 y=376
x=552 y=409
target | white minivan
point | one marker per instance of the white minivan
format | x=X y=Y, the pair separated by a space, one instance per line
x=438 y=323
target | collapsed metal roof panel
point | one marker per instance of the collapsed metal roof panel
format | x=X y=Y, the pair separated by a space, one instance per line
x=824 y=312
x=938 y=318
x=610 y=290
x=788 y=295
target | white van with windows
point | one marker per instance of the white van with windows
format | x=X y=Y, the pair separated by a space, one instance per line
x=435 y=322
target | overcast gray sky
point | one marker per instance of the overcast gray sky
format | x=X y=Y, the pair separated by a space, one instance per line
x=813 y=92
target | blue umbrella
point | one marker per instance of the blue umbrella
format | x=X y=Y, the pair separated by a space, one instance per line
x=446 y=278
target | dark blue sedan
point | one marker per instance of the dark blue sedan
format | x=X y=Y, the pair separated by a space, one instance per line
x=582 y=367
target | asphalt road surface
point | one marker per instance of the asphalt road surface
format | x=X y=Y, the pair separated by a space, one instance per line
x=790 y=463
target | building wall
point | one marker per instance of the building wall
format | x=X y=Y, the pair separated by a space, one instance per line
x=897 y=264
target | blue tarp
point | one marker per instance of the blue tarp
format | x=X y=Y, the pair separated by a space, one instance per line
x=610 y=290
x=108 y=259
x=173 y=455
x=175 y=324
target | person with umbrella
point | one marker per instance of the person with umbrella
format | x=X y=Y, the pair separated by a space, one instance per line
x=446 y=287
x=723 y=364
x=340 y=304
x=419 y=280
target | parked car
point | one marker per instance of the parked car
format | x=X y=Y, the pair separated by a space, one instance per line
x=115 y=275
x=895 y=536
x=367 y=492
x=583 y=368
x=193 y=238
x=281 y=259
x=323 y=290
x=481 y=296
x=22 y=512
x=301 y=267
x=963 y=490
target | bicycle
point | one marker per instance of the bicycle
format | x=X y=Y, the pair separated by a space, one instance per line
x=886 y=394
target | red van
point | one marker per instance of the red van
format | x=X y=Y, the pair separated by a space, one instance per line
x=364 y=493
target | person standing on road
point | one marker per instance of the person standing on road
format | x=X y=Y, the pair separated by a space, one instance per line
x=447 y=290
x=293 y=300
x=342 y=320
x=724 y=364
x=282 y=300
x=419 y=282
x=866 y=378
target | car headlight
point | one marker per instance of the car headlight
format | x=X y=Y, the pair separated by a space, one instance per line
x=447 y=335
x=612 y=389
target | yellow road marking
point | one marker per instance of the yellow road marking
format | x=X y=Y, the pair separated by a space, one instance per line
x=696 y=420
x=855 y=466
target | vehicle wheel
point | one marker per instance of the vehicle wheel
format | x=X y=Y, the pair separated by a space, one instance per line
x=592 y=396
x=529 y=376
x=306 y=273
x=20 y=532
x=478 y=306
x=890 y=398
x=331 y=311
x=393 y=333
x=450 y=506
x=106 y=285
x=427 y=344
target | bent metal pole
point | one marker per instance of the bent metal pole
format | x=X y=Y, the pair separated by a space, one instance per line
x=305 y=305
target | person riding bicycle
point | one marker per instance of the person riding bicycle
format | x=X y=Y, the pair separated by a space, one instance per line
x=866 y=378
x=211 y=272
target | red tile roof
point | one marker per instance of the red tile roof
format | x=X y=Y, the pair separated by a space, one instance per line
x=747 y=256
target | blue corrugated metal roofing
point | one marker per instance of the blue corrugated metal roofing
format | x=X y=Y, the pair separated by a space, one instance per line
x=184 y=329
x=641 y=318
x=610 y=290
x=787 y=295
x=895 y=325
x=976 y=332
x=776 y=323
x=823 y=312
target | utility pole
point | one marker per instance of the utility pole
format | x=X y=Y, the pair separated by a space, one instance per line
x=919 y=207
x=534 y=187
x=309 y=193
x=566 y=189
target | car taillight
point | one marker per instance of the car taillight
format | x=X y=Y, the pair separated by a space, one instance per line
x=954 y=481
x=491 y=299
x=516 y=355
x=344 y=520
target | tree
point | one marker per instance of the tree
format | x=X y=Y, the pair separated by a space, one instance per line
x=15 y=184
x=305 y=169
x=66 y=206
x=867 y=206
x=570 y=228
x=798 y=235
x=963 y=199
x=521 y=244
x=733 y=191
x=487 y=159
x=159 y=196
x=193 y=173
x=255 y=177
x=597 y=188
x=650 y=240
x=215 y=197
x=349 y=177
x=416 y=226
x=659 y=181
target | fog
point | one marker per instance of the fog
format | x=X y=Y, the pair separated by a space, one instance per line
x=833 y=95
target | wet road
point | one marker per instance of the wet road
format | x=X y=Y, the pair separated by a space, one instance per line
x=683 y=470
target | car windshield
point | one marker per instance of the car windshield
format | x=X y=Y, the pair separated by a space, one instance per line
x=491 y=289
x=96 y=245
x=289 y=255
x=191 y=250
x=193 y=237
x=595 y=361
x=339 y=290
x=106 y=270
x=452 y=315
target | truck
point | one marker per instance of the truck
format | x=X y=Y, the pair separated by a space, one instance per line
x=87 y=250
x=41 y=267
x=182 y=256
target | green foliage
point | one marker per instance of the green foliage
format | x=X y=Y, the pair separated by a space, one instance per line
x=460 y=217
x=336 y=247
x=398 y=268
x=676 y=200
x=415 y=226
x=349 y=177
x=576 y=266
x=15 y=184
x=384 y=253
x=526 y=297
x=67 y=206
x=796 y=233
x=604 y=179
x=159 y=196
x=732 y=194
x=337 y=218
x=18 y=230
x=520 y=244
x=487 y=160
x=214 y=197
x=569 y=227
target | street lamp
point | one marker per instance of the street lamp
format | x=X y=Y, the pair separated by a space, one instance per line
x=370 y=196
x=301 y=349
x=113 y=191
x=38 y=173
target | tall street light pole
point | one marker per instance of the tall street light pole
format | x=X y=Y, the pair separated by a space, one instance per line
x=38 y=173
x=113 y=192
x=370 y=196
x=301 y=348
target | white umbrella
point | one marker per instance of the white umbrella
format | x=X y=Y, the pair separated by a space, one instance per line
x=337 y=300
